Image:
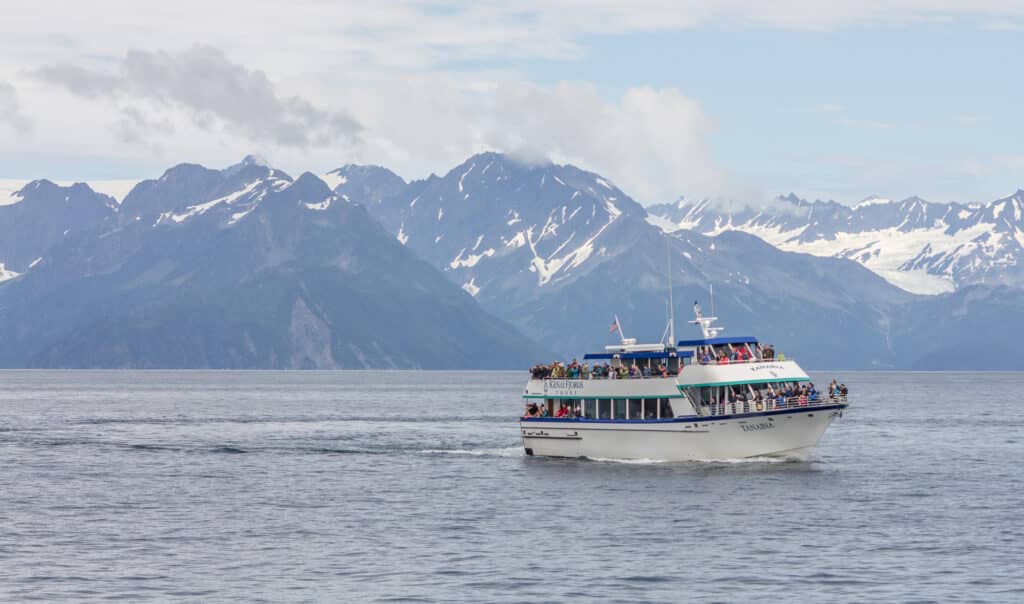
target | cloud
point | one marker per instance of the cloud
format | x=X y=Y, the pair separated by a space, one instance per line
x=10 y=110
x=830 y=108
x=204 y=83
x=652 y=141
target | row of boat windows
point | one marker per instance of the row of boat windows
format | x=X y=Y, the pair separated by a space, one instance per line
x=751 y=392
x=610 y=408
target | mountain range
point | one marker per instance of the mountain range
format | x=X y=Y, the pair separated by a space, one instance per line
x=497 y=263
x=238 y=268
x=921 y=246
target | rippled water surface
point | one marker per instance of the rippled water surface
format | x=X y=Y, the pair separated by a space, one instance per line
x=349 y=486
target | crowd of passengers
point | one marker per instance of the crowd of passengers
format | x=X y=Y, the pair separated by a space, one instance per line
x=706 y=355
x=725 y=354
x=564 y=410
x=577 y=371
x=786 y=395
x=570 y=411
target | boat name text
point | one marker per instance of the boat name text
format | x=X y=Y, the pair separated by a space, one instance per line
x=563 y=386
x=760 y=426
x=757 y=368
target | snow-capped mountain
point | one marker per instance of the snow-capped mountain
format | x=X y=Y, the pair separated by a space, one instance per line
x=502 y=228
x=369 y=184
x=40 y=215
x=920 y=246
x=558 y=250
x=243 y=267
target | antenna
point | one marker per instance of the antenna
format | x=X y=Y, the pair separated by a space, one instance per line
x=711 y=286
x=671 y=306
x=705 y=324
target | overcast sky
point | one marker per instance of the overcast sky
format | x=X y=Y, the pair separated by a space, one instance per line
x=739 y=99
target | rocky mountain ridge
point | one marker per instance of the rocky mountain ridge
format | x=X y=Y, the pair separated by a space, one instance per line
x=921 y=246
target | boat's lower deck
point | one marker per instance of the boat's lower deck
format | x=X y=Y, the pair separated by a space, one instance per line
x=786 y=432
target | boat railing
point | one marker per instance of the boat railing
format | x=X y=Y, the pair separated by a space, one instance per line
x=741 y=361
x=608 y=377
x=777 y=404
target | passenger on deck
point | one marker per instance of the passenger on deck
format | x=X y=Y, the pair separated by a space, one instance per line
x=843 y=391
x=585 y=371
x=663 y=370
x=722 y=359
x=563 y=410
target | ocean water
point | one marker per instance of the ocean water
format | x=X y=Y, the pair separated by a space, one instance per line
x=412 y=486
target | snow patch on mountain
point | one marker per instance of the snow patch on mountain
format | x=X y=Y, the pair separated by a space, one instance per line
x=463 y=178
x=202 y=208
x=6 y=273
x=471 y=260
x=320 y=205
x=334 y=178
x=470 y=287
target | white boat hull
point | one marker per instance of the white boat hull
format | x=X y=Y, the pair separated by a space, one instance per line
x=789 y=433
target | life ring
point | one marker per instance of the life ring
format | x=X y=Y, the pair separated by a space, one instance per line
x=760 y=406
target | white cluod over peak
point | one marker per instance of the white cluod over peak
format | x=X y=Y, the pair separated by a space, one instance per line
x=871 y=201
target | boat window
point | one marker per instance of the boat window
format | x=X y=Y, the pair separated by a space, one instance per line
x=635 y=408
x=590 y=408
x=665 y=409
x=604 y=408
x=651 y=408
x=619 y=408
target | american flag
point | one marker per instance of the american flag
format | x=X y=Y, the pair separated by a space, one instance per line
x=615 y=325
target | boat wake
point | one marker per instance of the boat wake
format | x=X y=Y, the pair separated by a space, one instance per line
x=502 y=452
x=742 y=460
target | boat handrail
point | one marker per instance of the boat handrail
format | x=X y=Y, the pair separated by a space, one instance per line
x=741 y=361
x=752 y=406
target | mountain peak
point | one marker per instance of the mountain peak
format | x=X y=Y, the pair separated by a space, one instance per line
x=255 y=160
x=34 y=186
x=46 y=186
x=250 y=164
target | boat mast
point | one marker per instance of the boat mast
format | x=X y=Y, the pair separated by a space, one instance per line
x=671 y=306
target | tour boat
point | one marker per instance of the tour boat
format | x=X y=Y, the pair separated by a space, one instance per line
x=718 y=398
